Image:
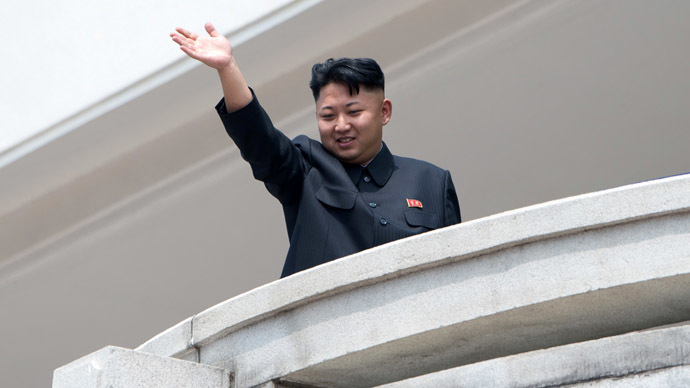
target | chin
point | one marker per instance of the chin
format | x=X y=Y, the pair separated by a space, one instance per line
x=345 y=158
x=340 y=155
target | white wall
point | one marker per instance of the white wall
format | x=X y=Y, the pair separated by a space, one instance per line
x=61 y=57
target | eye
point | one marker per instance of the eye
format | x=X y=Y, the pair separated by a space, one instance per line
x=327 y=116
x=355 y=112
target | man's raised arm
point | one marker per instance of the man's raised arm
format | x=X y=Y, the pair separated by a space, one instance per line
x=215 y=51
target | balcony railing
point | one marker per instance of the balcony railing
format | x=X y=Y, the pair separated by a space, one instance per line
x=563 y=286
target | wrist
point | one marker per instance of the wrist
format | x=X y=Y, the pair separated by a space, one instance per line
x=230 y=67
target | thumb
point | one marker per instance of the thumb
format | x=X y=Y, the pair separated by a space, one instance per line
x=211 y=30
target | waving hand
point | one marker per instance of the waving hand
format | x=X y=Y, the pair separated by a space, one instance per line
x=213 y=50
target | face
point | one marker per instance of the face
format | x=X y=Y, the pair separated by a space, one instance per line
x=351 y=127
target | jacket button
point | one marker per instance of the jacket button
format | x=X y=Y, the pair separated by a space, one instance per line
x=372 y=204
x=367 y=179
x=383 y=221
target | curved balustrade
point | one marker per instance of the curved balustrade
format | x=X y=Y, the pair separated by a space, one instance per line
x=463 y=303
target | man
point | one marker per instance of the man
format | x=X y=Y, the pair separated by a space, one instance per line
x=348 y=192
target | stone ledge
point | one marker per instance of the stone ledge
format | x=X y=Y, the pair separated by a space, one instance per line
x=548 y=275
x=174 y=342
x=114 y=367
x=546 y=293
x=624 y=357
x=459 y=242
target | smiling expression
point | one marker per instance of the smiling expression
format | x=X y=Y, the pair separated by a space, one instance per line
x=351 y=126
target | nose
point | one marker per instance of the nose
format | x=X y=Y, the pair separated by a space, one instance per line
x=342 y=124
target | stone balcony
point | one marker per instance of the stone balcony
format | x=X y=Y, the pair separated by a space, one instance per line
x=592 y=289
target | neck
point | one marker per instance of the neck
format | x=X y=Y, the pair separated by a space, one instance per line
x=370 y=160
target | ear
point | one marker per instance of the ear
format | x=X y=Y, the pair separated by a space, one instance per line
x=386 y=111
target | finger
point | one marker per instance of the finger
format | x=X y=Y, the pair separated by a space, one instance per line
x=211 y=30
x=186 y=33
x=190 y=52
x=182 y=31
x=177 y=37
x=181 y=40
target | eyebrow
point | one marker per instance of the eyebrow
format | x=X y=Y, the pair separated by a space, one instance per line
x=349 y=104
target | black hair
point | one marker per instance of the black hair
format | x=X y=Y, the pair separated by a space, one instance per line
x=352 y=72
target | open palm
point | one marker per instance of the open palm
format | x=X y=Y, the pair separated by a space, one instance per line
x=214 y=51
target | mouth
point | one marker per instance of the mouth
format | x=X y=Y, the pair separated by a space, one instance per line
x=344 y=141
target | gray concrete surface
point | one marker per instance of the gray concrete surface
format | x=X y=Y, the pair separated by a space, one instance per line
x=547 y=276
x=174 y=342
x=657 y=358
x=552 y=274
x=114 y=367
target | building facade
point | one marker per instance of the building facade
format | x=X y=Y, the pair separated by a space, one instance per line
x=136 y=211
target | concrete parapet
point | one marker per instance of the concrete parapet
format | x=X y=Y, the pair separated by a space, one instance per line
x=113 y=367
x=174 y=342
x=658 y=358
x=547 y=276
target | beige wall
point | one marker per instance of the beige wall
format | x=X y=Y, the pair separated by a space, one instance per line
x=523 y=101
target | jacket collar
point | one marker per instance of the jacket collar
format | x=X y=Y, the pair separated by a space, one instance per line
x=380 y=168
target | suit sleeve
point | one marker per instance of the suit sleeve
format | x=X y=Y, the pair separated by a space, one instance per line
x=451 y=206
x=274 y=159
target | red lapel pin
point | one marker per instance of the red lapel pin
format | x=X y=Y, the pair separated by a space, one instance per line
x=414 y=203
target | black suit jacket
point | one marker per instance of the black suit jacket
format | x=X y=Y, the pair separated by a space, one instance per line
x=333 y=209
